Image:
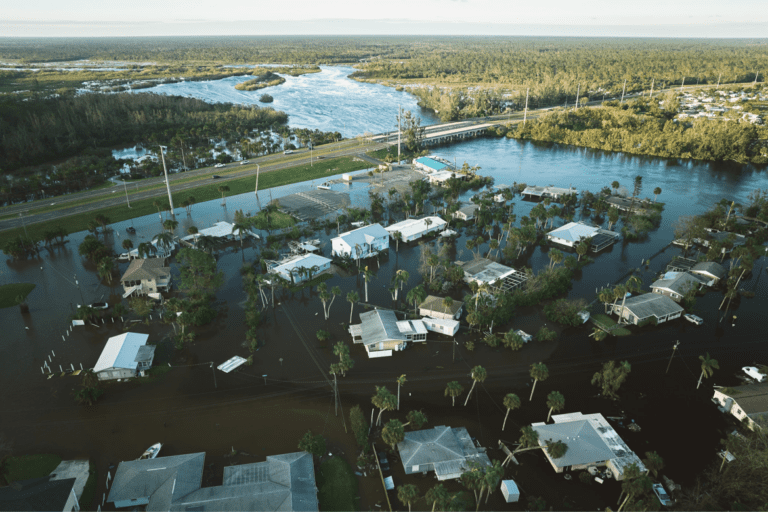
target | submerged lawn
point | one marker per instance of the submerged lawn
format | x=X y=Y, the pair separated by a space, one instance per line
x=31 y=466
x=9 y=292
x=337 y=485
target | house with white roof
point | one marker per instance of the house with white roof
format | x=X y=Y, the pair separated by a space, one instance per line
x=298 y=268
x=429 y=165
x=591 y=441
x=571 y=234
x=413 y=229
x=447 y=451
x=381 y=333
x=441 y=178
x=124 y=356
x=446 y=326
x=361 y=243
x=221 y=230
x=555 y=193
x=485 y=271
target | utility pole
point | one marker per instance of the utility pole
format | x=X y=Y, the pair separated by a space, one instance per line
x=718 y=80
x=674 y=347
x=21 y=216
x=622 y=91
x=578 y=90
x=682 y=84
x=651 y=95
x=756 y=75
x=125 y=187
x=167 y=183
x=525 y=115
x=81 y=291
x=398 y=133
x=336 y=394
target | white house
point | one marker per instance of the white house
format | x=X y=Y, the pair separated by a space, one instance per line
x=648 y=307
x=466 y=212
x=413 y=229
x=145 y=276
x=485 y=271
x=124 y=356
x=446 y=326
x=746 y=403
x=433 y=306
x=380 y=332
x=297 y=268
x=534 y=192
x=676 y=284
x=441 y=178
x=572 y=233
x=221 y=230
x=361 y=243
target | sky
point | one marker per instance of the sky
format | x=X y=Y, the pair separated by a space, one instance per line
x=641 y=18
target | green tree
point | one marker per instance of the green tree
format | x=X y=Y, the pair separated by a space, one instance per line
x=511 y=402
x=359 y=427
x=453 y=389
x=367 y=276
x=513 y=341
x=408 y=494
x=401 y=380
x=539 y=372
x=438 y=496
x=164 y=240
x=634 y=484
x=654 y=463
x=708 y=367
x=106 y=268
x=611 y=377
x=555 y=402
x=170 y=225
x=223 y=189
x=416 y=296
x=352 y=297
x=582 y=248
x=478 y=375
x=199 y=276
x=90 y=390
x=384 y=401
x=127 y=244
x=313 y=444
x=656 y=193
x=393 y=433
x=141 y=306
x=416 y=419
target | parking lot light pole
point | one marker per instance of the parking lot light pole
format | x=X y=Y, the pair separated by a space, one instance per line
x=167 y=183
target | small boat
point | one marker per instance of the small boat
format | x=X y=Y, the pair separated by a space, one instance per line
x=131 y=230
x=151 y=452
x=324 y=186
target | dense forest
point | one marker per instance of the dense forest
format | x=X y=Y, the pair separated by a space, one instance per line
x=642 y=127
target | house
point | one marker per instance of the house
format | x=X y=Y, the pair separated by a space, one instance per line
x=44 y=494
x=591 y=441
x=446 y=451
x=555 y=193
x=446 y=326
x=361 y=243
x=571 y=234
x=648 y=307
x=429 y=165
x=381 y=332
x=158 y=251
x=413 y=229
x=485 y=271
x=296 y=269
x=625 y=204
x=711 y=271
x=124 y=356
x=440 y=178
x=221 y=230
x=676 y=284
x=748 y=403
x=466 y=212
x=730 y=240
x=681 y=264
x=510 y=491
x=282 y=482
x=145 y=276
x=433 y=306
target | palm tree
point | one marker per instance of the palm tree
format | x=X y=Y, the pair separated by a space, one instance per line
x=437 y=494
x=164 y=240
x=240 y=228
x=708 y=367
x=656 y=193
x=615 y=186
x=145 y=249
x=511 y=401
x=105 y=268
x=207 y=243
x=192 y=230
x=399 y=279
x=393 y=433
x=555 y=257
x=453 y=389
x=128 y=244
x=539 y=372
x=478 y=375
x=384 y=401
x=103 y=221
x=367 y=276
x=223 y=189
x=170 y=224
x=398 y=236
x=555 y=402
x=448 y=304
x=400 y=382
x=408 y=494
x=417 y=295
x=605 y=296
x=352 y=297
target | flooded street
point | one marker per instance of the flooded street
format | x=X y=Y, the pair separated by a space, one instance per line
x=265 y=408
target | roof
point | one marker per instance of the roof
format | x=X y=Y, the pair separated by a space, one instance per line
x=363 y=235
x=431 y=163
x=584 y=444
x=219 y=230
x=441 y=176
x=752 y=398
x=510 y=487
x=415 y=226
x=574 y=231
x=448 y=449
x=162 y=480
x=411 y=327
x=434 y=303
x=533 y=190
x=145 y=353
x=379 y=325
x=652 y=304
x=36 y=494
x=148 y=268
x=678 y=282
x=468 y=209
x=308 y=260
x=485 y=270
x=709 y=267
x=120 y=351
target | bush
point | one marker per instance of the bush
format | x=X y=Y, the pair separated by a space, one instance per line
x=565 y=312
x=545 y=334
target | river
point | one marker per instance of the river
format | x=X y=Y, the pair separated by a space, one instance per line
x=113 y=430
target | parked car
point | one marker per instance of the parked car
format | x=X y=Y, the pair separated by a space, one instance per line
x=660 y=493
x=287 y=152
x=131 y=230
x=694 y=319
x=96 y=305
x=219 y=166
x=215 y=177
x=754 y=373
x=243 y=162
x=383 y=462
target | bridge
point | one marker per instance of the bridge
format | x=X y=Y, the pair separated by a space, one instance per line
x=443 y=133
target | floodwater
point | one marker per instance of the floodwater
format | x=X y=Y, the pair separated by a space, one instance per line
x=327 y=101
x=192 y=408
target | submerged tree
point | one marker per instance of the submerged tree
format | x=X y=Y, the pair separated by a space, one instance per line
x=453 y=389
x=611 y=377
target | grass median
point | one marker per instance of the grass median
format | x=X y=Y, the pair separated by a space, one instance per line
x=205 y=192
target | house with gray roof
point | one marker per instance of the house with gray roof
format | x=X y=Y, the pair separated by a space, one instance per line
x=486 y=271
x=361 y=243
x=591 y=441
x=648 y=307
x=44 y=494
x=676 y=284
x=447 y=451
x=380 y=332
x=535 y=192
x=711 y=271
x=144 y=276
x=466 y=212
x=433 y=306
x=282 y=482
x=748 y=403
x=571 y=235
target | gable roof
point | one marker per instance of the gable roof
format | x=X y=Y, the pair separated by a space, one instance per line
x=379 y=325
x=485 y=270
x=363 y=235
x=148 y=268
x=651 y=304
x=678 y=282
x=752 y=398
x=121 y=351
x=584 y=444
x=574 y=231
x=709 y=267
x=161 y=480
x=411 y=227
x=307 y=260
x=36 y=494
x=434 y=303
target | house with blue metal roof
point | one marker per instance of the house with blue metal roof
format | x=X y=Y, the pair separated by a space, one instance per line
x=430 y=165
x=124 y=357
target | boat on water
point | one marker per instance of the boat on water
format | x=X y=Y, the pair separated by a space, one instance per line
x=324 y=186
x=151 y=452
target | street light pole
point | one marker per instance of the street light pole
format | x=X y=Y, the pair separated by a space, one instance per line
x=167 y=183
x=674 y=347
x=21 y=216
x=125 y=187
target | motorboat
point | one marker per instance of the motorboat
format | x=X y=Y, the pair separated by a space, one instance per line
x=151 y=452
x=324 y=186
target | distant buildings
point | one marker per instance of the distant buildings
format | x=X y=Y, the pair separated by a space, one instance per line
x=361 y=243
x=746 y=403
x=145 y=276
x=555 y=193
x=447 y=451
x=414 y=229
x=591 y=441
x=124 y=356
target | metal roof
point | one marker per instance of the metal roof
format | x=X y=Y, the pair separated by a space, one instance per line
x=120 y=351
x=709 y=267
x=411 y=227
x=431 y=163
x=485 y=270
x=363 y=235
x=574 y=231
x=145 y=354
x=36 y=494
x=137 y=479
x=308 y=260
x=651 y=304
x=411 y=327
x=379 y=325
x=434 y=303
x=584 y=444
x=678 y=282
x=146 y=269
x=447 y=449
x=230 y=364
